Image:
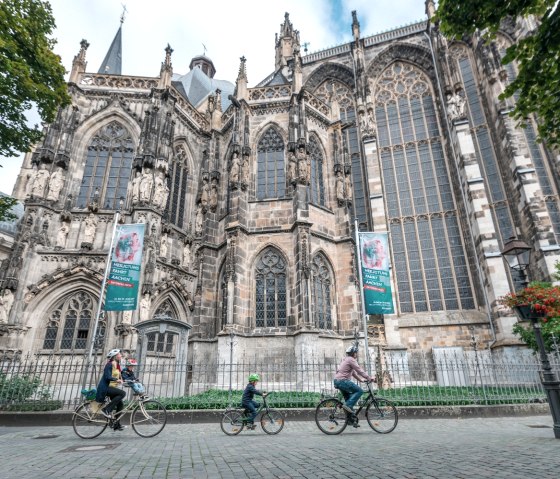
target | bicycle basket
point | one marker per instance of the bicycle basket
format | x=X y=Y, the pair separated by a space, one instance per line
x=89 y=394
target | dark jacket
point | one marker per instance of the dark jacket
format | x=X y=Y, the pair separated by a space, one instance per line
x=104 y=382
x=128 y=375
x=249 y=393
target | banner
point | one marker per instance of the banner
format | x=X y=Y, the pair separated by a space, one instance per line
x=374 y=260
x=124 y=274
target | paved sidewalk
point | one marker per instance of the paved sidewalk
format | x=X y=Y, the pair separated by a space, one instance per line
x=520 y=447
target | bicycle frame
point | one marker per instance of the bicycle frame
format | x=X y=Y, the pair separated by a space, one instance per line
x=260 y=409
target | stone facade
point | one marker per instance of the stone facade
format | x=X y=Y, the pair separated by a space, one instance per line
x=255 y=192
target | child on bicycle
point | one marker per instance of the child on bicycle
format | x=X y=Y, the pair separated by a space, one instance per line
x=128 y=375
x=247 y=399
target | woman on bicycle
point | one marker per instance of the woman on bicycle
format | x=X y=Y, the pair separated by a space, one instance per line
x=247 y=399
x=348 y=369
x=108 y=387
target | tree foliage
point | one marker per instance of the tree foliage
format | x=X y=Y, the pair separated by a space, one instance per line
x=6 y=205
x=537 y=54
x=31 y=75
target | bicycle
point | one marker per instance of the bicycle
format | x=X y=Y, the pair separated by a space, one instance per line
x=148 y=416
x=234 y=420
x=381 y=414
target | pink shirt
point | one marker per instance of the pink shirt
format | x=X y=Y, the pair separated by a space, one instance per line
x=349 y=367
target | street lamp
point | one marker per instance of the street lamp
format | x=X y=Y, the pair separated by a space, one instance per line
x=517 y=253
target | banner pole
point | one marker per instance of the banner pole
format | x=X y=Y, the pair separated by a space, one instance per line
x=364 y=314
x=103 y=283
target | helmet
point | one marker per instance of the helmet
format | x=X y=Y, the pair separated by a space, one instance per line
x=352 y=349
x=131 y=362
x=113 y=353
x=254 y=377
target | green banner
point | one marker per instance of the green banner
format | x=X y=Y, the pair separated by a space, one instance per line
x=374 y=261
x=124 y=275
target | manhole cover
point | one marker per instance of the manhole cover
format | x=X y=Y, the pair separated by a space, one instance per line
x=96 y=447
x=539 y=425
x=46 y=436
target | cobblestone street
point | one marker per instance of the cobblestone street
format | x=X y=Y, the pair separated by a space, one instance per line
x=513 y=447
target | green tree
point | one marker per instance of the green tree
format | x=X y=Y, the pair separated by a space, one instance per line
x=31 y=75
x=537 y=55
x=6 y=204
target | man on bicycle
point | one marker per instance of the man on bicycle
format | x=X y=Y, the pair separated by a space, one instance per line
x=348 y=369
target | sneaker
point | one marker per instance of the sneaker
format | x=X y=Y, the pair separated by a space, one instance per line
x=347 y=409
x=105 y=413
x=118 y=427
x=251 y=426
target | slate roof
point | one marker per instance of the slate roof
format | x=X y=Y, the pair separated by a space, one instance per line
x=196 y=86
x=112 y=63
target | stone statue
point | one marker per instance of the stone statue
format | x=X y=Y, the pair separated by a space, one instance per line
x=6 y=302
x=146 y=184
x=205 y=192
x=303 y=165
x=199 y=223
x=245 y=170
x=127 y=317
x=214 y=194
x=30 y=180
x=340 y=188
x=145 y=305
x=163 y=245
x=292 y=168
x=136 y=187
x=455 y=106
x=234 y=170
x=55 y=185
x=161 y=191
x=40 y=182
x=62 y=235
x=91 y=226
x=187 y=256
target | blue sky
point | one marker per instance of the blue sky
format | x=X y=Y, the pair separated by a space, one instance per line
x=228 y=29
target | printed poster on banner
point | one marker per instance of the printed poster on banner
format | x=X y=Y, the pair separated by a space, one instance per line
x=374 y=260
x=124 y=275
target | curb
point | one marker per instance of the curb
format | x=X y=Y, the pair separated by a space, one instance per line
x=200 y=416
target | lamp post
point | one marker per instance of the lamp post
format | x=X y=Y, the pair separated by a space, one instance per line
x=517 y=253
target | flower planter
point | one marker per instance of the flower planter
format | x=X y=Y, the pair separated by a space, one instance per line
x=525 y=312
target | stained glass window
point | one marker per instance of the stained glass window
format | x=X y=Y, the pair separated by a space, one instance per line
x=177 y=182
x=271 y=176
x=322 y=286
x=270 y=289
x=317 y=187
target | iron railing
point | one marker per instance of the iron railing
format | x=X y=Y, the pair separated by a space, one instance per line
x=55 y=382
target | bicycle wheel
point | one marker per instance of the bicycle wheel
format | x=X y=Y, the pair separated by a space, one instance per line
x=88 y=424
x=382 y=416
x=148 y=418
x=272 y=421
x=330 y=417
x=232 y=422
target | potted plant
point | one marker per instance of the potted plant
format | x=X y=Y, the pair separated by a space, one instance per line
x=540 y=302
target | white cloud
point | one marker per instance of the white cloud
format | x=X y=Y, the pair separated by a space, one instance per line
x=229 y=30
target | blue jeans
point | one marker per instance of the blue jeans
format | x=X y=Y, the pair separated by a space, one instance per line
x=350 y=390
x=252 y=407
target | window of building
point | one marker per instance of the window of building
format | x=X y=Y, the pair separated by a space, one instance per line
x=108 y=167
x=317 y=187
x=271 y=175
x=162 y=342
x=270 y=289
x=322 y=285
x=428 y=251
x=177 y=182
x=70 y=323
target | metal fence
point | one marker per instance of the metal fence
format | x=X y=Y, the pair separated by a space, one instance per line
x=55 y=382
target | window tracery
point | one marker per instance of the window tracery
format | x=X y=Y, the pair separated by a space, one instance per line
x=317 y=186
x=177 y=183
x=270 y=273
x=271 y=175
x=322 y=287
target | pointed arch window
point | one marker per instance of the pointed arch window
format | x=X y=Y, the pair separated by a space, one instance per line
x=108 y=167
x=162 y=342
x=177 y=182
x=317 y=186
x=271 y=175
x=70 y=323
x=270 y=288
x=426 y=232
x=322 y=286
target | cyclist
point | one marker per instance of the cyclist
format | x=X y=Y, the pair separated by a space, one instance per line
x=127 y=374
x=348 y=369
x=247 y=399
x=108 y=387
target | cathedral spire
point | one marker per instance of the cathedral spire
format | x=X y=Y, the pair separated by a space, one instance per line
x=113 y=60
x=166 y=71
x=355 y=26
x=79 y=63
x=286 y=42
x=241 y=82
